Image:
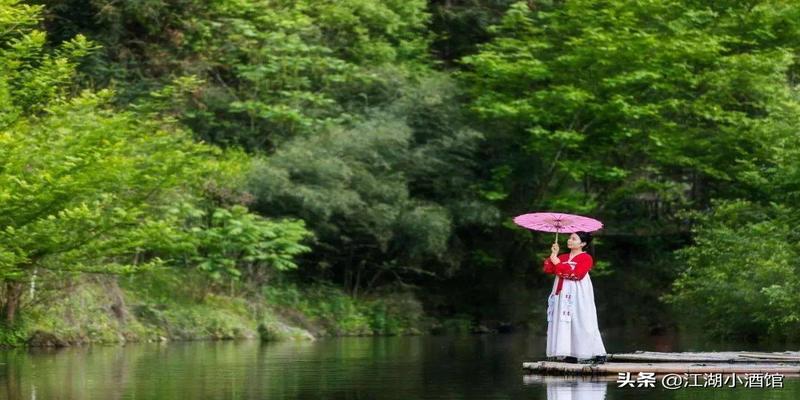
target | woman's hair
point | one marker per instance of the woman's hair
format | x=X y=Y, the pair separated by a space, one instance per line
x=586 y=237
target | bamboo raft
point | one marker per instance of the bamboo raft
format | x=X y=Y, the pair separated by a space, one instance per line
x=786 y=363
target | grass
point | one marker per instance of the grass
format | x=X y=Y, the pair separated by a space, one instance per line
x=164 y=305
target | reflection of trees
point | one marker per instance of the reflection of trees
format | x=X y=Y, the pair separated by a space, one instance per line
x=68 y=373
x=345 y=368
x=9 y=376
x=229 y=370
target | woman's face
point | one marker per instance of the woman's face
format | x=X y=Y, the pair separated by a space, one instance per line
x=574 y=242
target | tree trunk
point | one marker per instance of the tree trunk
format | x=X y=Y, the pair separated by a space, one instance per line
x=358 y=279
x=117 y=298
x=11 y=304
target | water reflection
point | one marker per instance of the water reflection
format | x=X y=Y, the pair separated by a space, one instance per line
x=570 y=388
x=391 y=368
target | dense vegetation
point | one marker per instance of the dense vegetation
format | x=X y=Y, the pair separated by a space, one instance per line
x=215 y=169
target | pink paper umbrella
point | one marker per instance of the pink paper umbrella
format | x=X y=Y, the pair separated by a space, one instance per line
x=557 y=222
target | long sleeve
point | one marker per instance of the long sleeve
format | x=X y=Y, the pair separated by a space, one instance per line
x=549 y=267
x=583 y=263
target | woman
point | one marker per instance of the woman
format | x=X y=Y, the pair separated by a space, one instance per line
x=572 y=331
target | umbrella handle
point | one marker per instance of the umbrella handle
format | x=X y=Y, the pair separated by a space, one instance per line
x=556 y=241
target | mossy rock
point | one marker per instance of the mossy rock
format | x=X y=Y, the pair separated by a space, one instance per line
x=278 y=331
x=46 y=339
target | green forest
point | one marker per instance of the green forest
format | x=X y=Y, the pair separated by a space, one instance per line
x=220 y=169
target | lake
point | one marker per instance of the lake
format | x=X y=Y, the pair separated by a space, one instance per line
x=421 y=367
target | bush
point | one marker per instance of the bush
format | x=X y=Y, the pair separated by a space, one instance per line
x=739 y=278
x=340 y=314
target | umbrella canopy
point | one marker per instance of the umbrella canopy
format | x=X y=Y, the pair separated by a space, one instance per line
x=557 y=222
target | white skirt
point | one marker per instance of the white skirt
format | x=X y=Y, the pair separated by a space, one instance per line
x=572 y=321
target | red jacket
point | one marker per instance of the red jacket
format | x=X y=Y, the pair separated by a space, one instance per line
x=583 y=263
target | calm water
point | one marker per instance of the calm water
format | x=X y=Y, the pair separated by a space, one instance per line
x=471 y=367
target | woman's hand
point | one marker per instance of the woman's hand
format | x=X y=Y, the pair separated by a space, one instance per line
x=554 y=254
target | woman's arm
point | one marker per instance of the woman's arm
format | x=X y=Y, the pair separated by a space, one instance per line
x=551 y=262
x=549 y=267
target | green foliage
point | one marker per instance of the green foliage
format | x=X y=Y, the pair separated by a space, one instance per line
x=459 y=325
x=272 y=330
x=632 y=111
x=30 y=77
x=461 y=25
x=280 y=76
x=271 y=68
x=87 y=188
x=346 y=184
x=13 y=336
x=340 y=314
x=235 y=241
x=383 y=196
x=80 y=181
x=81 y=317
x=299 y=66
x=383 y=173
x=740 y=276
x=80 y=314
x=215 y=318
x=601 y=97
x=81 y=185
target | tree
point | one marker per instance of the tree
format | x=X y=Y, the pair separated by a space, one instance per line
x=609 y=106
x=271 y=69
x=739 y=278
x=88 y=188
x=234 y=243
x=384 y=196
x=632 y=111
x=461 y=25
